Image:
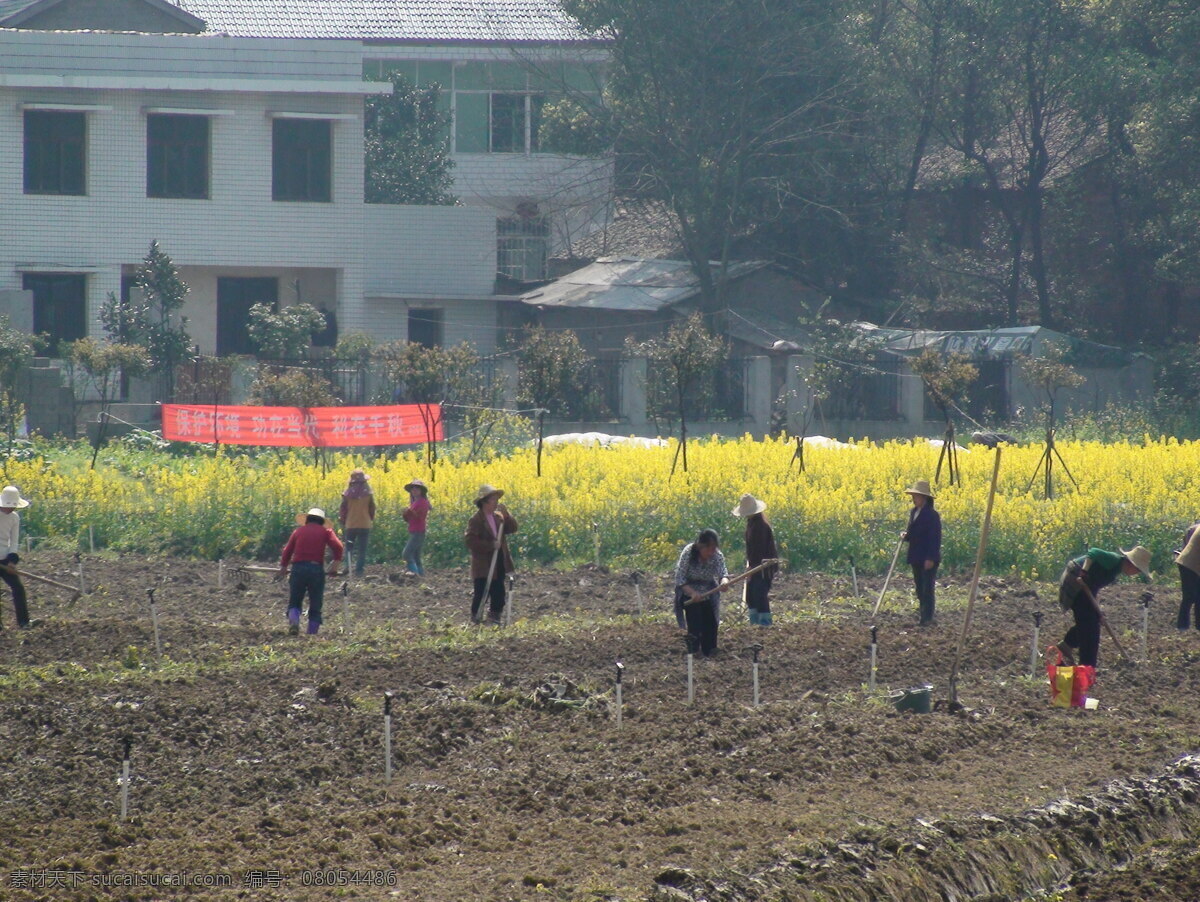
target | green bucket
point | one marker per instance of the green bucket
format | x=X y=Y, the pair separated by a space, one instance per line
x=919 y=699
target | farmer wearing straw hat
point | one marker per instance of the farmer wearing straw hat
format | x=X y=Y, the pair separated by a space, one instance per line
x=10 y=538
x=924 y=537
x=415 y=516
x=1188 y=560
x=1081 y=582
x=305 y=551
x=357 y=516
x=487 y=538
x=760 y=546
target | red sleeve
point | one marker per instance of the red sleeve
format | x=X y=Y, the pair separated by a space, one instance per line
x=289 y=549
x=335 y=543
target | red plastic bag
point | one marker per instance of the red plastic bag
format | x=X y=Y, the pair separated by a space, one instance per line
x=1068 y=685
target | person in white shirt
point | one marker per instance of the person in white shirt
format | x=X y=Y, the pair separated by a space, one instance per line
x=10 y=537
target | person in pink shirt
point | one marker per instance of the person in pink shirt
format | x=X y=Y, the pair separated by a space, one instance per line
x=305 y=552
x=415 y=515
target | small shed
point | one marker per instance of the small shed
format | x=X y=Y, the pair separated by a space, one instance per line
x=618 y=297
x=1112 y=375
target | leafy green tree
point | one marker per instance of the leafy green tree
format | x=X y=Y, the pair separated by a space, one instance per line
x=842 y=356
x=723 y=109
x=434 y=378
x=17 y=350
x=688 y=356
x=291 y=386
x=1050 y=372
x=152 y=320
x=552 y=372
x=407 y=148
x=102 y=364
x=946 y=378
x=286 y=334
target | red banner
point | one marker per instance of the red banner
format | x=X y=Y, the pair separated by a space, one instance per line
x=306 y=427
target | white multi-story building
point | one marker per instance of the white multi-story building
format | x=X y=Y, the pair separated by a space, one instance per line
x=230 y=131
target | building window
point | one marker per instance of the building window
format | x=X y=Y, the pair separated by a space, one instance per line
x=425 y=327
x=301 y=160
x=522 y=245
x=177 y=153
x=59 y=307
x=55 y=152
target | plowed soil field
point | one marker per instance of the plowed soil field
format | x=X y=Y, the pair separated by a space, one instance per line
x=257 y=759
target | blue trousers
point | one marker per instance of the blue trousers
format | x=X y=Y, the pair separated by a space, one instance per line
x=307 y=578
x=412 y=552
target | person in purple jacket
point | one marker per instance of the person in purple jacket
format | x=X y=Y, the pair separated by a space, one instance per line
x=924 y=537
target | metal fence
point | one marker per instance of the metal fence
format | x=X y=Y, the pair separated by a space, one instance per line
x=868 y=395
x=716 y=395
x=592 y=394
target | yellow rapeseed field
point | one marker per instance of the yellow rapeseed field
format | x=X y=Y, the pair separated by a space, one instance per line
x=848 y=502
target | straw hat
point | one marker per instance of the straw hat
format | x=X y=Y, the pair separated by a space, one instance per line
x=749 y=506
x=920 y=487
x=486 y=491
x=301 y=519
x=1190 y=555
x=10 y=496
x=358 y=476
x=417 y=484
x=1140 y=558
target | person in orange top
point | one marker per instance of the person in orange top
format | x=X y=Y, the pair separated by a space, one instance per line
x=305 y=551
x=357 y=516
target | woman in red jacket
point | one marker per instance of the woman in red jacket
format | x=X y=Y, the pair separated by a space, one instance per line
x=305 y=551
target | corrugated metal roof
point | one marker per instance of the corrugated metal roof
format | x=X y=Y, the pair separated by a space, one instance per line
x=629 y=284
x=999 y=344
x=415 y=21
x=12 y=7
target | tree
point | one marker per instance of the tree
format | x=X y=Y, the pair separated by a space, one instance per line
x=152 y=321
x=552 y=372
x=407 y=156
x=688 y=353
x=722 y=109
x=947 y=378
x=17 y=350
x=103 y=364
x=433 y=379
x=842 y=354
x=285 y=335
x=1050 y=372
x=1019 y=111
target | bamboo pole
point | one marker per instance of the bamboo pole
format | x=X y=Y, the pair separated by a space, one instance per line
x=983 y=537
x=887 y=579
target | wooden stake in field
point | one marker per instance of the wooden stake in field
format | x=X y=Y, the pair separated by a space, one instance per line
x=983 y=537
x=154 y=622
x=124 y=781
x=387 y=737
x=620 y=673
